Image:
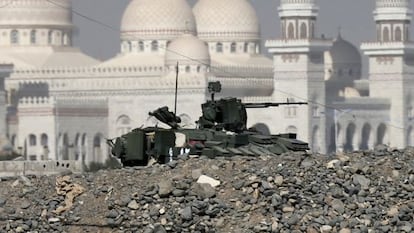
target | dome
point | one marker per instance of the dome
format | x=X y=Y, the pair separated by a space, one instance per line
x=35 y=13
x=343 y=52
x=157 y=19
x=187 y=49
x=219 y=20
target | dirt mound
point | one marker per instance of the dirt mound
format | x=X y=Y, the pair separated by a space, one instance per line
x=295 y=192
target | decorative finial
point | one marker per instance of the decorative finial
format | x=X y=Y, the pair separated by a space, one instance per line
x=339 y=31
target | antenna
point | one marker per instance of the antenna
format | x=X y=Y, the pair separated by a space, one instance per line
x=176 y=89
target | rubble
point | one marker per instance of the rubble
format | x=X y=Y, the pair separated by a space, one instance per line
x=294 y=192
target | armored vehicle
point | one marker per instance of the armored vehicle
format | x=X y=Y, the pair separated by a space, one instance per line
x=220 y=131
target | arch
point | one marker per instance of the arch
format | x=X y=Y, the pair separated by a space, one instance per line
x=84 y=146
x=129 y=46
x=303 y=31
x=332 y=139
x=233 y=47
x=187 y=69
x=78 y=147
x=350 y=134
x=154 y=46
x=219 y=47
x=315 y=139
x=33 y=39
x=291 y=31
x=292 y=129
x=98 y=147
x=381 y=133
x=398 y=34
x=65 y=147
x=141 y=46
x=65 y=39
x=123 y=124
x=14 y=37
x=365 y=137
x=50 y=37
x=385 y=34
x=32 y=140
x=409 y=139
x=44 y=140
x=262 y=128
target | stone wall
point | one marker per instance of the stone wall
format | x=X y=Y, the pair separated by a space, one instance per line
x=17 y=168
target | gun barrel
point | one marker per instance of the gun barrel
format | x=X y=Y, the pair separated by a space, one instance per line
x=269 y=104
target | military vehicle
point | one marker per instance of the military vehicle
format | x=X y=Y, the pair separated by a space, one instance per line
x=220 y=131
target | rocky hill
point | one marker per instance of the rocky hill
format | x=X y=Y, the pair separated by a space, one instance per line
x=369 y=191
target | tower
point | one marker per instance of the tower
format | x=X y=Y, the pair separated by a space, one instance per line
x=391 y=66
x=299 y=72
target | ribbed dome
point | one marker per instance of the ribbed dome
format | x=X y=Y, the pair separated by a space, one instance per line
x=157 y=19
x=344 y=52
x=187 y=49
x=35 y=12
x=221 y=20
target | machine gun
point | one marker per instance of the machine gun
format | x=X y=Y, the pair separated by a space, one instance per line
x=229 y=113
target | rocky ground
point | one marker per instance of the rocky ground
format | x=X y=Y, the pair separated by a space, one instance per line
x=369 y=191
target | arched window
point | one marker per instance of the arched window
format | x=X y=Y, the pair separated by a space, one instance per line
x=187 y=69
x=14 y=37
x=33 y=37
x=50 y=37
x=198 y=69
x=219 y=47
x=386 y=34
x=141 y=46
x=398 y=34
x=303 y=31
x=32 y=140
x=13 y=140
x=233 y=47
x=65 y=38
x=97 y=141
x=43 y=140
x=350 y=135
x=123 y=125
x=381 y=132
x=291 y=31
x=246 y=47
x=129 y=46
x=154 y=46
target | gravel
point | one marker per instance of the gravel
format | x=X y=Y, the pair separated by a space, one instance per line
x=367 y=191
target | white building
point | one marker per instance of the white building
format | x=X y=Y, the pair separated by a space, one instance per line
x=61 y=104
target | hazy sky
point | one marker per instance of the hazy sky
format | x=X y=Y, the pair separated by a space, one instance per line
x=354 y=17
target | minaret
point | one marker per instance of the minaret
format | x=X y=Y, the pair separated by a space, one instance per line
x=393 y=19
x=391 y=67
x=299 y=72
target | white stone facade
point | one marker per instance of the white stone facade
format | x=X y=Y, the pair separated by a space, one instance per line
x=60 y=104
